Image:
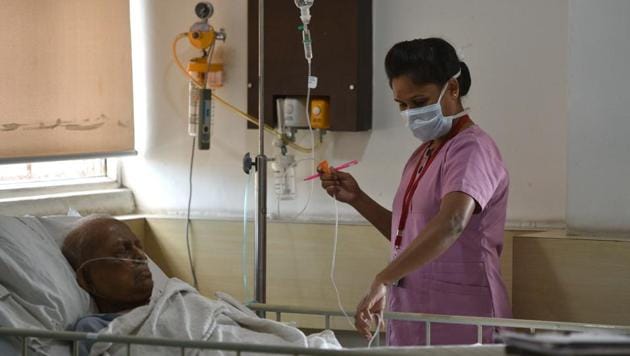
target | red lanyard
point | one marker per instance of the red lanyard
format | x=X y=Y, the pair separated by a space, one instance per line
x=419 y=172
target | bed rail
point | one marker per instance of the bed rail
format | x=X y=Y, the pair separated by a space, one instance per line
x=428 y=319
x=74 y=338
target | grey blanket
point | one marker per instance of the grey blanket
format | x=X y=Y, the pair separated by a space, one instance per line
x=181 y=313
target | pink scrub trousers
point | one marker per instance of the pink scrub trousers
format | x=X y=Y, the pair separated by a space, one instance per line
x=464 y=280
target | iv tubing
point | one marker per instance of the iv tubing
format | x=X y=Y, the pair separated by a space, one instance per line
x=248 y=117
x=379 y=321
x=190 y=187
x=379 y=317
x=310 y=130
x=334 y=262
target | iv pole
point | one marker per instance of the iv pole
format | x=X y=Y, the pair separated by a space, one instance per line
x=260 y=240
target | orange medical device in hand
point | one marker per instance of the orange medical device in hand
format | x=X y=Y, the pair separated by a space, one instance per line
x=323 y=167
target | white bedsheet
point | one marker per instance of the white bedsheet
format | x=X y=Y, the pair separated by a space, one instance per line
x=181 y=313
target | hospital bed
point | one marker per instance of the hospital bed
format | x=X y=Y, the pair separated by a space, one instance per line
x=32 y=243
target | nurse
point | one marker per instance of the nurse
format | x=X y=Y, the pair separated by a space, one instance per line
x=446 y=227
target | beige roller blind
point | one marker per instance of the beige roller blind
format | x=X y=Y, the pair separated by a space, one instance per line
x=65 y=79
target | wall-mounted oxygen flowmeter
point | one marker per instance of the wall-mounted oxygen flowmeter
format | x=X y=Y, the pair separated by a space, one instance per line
x=291 y=114
x=203 y=74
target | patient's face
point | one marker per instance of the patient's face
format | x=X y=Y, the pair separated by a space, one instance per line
x=117 y=281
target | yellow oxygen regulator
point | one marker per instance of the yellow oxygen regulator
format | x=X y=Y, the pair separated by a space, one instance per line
x=203 y=36
x=202 y=73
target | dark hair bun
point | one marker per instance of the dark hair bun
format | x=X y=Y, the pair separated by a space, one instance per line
x=464 y=79
x=428 y=60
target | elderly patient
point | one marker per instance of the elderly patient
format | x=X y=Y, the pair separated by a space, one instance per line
x=117 y=285
x=110 y=264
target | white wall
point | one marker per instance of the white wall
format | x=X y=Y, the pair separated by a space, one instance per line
x=517 y=55
x=599 y=116
x=516 y=51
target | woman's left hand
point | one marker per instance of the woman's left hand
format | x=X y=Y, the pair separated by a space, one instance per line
x=371 y=305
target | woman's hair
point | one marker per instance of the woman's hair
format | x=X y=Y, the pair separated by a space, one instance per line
x=429 y=60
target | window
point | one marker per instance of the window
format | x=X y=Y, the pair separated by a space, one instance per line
x=52 y=173
x=59 y=187
x=44 y=174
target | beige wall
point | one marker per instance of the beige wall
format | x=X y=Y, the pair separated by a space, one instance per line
x=299 y=257
x=568 y=278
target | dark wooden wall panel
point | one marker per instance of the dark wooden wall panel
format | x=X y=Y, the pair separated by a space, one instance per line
x=342 y=57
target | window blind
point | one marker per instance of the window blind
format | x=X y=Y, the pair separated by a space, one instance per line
x=65 y=79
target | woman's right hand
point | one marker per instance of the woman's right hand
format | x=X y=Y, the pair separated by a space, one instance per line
x=340 y=185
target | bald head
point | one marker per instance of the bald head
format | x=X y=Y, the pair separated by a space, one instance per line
x=82 y=242
x=110 y=263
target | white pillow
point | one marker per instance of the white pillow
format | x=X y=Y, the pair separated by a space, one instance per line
x=38 y=282
x=38 y=288
x=57 y=227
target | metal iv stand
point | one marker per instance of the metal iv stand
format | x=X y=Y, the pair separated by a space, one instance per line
x=260 y=178
x=260 y=242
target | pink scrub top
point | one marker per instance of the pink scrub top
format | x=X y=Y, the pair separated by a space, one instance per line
x=465 y=279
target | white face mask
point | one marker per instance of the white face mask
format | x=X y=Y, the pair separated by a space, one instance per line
x=428 y=122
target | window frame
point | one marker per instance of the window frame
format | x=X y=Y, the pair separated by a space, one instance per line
x=111 y=180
